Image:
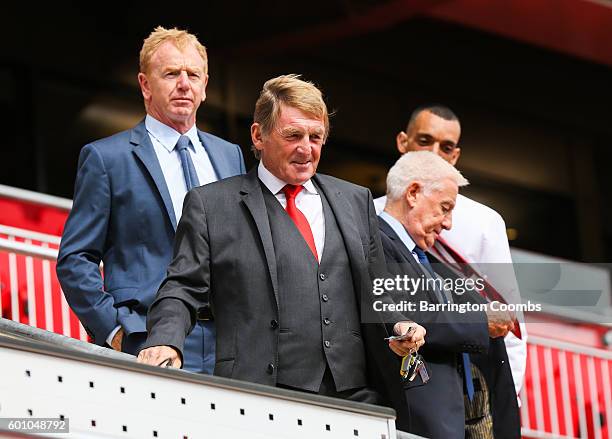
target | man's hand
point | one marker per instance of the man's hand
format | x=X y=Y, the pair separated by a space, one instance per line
x=117 y=340
x=164 y=356
x=411 y=343
x=500 y=323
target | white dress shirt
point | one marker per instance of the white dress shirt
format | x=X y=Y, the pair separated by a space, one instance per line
x=164 y=141
x=308 y=201
x=479 y=235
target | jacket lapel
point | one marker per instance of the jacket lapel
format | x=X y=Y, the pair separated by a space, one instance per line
x=215 y=155
x=253 y=199
x=143 y=149
x=401 y=247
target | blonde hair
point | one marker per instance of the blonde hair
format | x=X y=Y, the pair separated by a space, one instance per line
x=424 y=167
x=291 y=91
x=179 y=38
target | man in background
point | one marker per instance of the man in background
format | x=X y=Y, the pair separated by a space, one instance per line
x=479 y=232
x=421 y=193
x=128 y=200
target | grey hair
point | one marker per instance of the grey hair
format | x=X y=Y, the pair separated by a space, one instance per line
x=425 y=167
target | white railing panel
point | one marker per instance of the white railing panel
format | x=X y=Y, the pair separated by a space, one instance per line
x=101 y=399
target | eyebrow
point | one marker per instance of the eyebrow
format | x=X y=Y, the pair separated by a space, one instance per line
x=178 y=67
x=294 y=130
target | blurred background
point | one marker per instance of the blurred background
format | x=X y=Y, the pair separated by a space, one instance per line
x=529 y=79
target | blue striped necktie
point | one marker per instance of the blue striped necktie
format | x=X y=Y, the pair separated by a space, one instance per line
x=189 y=172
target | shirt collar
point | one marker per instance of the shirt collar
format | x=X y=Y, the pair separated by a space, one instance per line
x=275 y=184
x=167 y=136
x=400 y=230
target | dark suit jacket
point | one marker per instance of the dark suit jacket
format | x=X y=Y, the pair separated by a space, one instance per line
x=434 y=409
x=123 y=215
x=224 y=258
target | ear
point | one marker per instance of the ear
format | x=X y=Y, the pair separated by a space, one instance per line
x=455 y=156
x=401 y=140
x=412 y=193
x=257 y=136
x=144 y=86
x=205 y=83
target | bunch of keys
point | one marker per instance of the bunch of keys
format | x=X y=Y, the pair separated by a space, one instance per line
x=413 y=364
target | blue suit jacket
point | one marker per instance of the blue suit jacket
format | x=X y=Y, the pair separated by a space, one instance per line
x=123 y=216
x=434 y=409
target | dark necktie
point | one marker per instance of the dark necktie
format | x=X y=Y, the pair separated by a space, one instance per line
x=424 y=261
x=298 y=217
x=467 y=368
x=189 y=172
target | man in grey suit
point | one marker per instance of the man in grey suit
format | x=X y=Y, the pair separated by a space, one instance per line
x=283 y=257
x=128 y=199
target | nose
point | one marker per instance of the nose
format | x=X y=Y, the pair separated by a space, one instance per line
x=183 y=80
x=448 y=222
x=304 y=145
x=436 y=148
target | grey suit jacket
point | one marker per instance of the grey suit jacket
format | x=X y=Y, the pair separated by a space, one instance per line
x=224 y=257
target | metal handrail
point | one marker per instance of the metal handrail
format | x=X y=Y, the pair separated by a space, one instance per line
x=22 y=248
x=35 y=197
x=28 y=234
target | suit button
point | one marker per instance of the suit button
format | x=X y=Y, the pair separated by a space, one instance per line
x=274 y=324
x=326 y=321
x=327 y=343
x=324 y=297
x=270 y=369
x=322 y=276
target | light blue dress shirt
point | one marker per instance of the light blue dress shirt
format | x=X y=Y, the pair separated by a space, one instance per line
x=164 y=141
x=400 y=231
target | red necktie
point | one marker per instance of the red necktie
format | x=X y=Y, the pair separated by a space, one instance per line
x=488 y=292
x=298 y=217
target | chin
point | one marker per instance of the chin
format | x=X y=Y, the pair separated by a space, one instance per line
x=429 y=243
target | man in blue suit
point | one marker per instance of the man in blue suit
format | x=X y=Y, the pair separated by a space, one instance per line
x=128 y=200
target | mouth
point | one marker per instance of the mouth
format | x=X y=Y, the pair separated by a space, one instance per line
x=301 y=164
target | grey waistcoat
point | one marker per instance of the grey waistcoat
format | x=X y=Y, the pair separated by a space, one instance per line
x=318 y=313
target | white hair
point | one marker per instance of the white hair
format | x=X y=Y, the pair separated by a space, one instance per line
x=424 y=167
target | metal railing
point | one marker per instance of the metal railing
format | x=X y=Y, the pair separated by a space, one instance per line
x=29 y=290
x=567 y=391
x=35 y=197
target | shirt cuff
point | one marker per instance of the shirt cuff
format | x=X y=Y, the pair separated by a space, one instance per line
x=110 y=337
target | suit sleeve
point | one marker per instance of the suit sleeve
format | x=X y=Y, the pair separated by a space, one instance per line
x=82 y=248
x=186 y=288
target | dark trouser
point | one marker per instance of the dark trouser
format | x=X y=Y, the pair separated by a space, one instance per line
x=328 y=388
x=199 y=350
